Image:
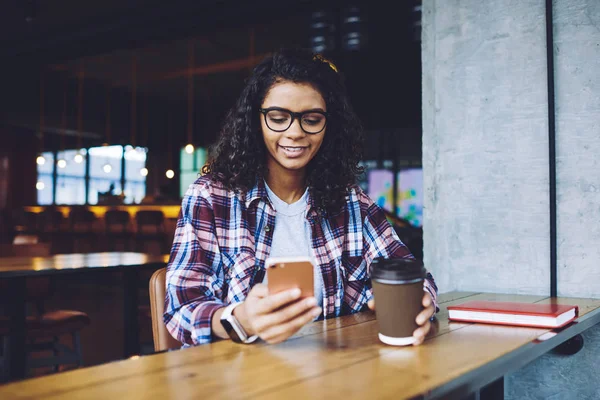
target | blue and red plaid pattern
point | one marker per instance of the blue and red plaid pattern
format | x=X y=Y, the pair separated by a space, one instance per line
x=223 y=239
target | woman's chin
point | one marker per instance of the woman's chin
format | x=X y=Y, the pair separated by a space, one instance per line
x=292 y=165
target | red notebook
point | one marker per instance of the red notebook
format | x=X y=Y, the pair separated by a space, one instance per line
x=521 y=314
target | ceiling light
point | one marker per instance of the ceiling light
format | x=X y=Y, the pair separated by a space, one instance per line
x=144 y=171
x=189 y=148
x=170 y=174
x=40 y=160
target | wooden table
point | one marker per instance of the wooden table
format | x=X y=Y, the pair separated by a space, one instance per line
x=336 y=358
x=17 y=269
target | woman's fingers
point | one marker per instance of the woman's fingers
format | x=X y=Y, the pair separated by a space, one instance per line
x=427 y=300
x=285 y=314
x=281 y=332
x=277 y=300
x=424 y=315
x=420 y=333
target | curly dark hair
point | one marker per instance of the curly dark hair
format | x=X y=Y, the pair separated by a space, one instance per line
x=333 y=170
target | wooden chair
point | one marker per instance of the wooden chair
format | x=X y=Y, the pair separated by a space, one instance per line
x=117 y=230
x=7 y=227
x=25 y=222
x=162 y=338
x=151 y=229
x=43 y=327
x=83 y=238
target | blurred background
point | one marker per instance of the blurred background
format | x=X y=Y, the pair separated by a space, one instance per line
x=117 y=102
x=108 y=110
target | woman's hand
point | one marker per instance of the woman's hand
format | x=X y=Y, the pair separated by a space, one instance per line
x=276 y=317
x=422 y=318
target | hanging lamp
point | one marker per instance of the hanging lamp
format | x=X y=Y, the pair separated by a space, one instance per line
x=80 y=156
x=62 y=162
x=107 y=168
x=170 y=174
x=41 y=160
x=189 y=148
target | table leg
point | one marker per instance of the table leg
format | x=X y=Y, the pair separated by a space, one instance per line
x=17 y=313
x=493 y=391
x=131 y=343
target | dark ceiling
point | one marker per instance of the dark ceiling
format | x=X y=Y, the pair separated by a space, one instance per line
x=119 y=45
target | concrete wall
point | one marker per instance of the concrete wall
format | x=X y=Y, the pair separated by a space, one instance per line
x=577 y=76
x=557 y=377
x=485 y=159
x=485 y=145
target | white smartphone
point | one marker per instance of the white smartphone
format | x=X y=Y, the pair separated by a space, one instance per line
x=285 y=273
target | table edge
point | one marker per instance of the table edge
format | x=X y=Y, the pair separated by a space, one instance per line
x=476 y=379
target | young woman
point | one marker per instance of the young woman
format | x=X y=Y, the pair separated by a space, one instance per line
x=282 y=182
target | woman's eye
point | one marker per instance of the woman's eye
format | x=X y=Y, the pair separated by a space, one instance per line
x=277 y=120
x=313 y=120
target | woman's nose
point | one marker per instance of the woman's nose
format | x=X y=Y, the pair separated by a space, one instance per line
x=295 y=130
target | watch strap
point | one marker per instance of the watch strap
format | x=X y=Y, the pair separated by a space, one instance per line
x=233 y=327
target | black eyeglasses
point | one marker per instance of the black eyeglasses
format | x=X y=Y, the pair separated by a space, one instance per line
x=279 y=119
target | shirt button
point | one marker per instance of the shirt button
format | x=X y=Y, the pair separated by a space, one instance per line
x=267 y=228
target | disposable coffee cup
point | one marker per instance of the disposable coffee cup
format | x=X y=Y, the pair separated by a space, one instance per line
x=398 y=292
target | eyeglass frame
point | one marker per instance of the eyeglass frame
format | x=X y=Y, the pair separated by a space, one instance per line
x=295 y=115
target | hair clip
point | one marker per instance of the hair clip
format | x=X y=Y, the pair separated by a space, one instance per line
x=323 y=59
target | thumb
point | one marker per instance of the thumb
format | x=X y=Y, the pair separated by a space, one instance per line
x=260 y=290
x=371 y=304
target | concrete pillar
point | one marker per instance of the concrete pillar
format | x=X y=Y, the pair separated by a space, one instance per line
x=485 y=160
x=577 y=77
x=485 y=145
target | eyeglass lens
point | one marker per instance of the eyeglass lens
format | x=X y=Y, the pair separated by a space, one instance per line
x=280 y=120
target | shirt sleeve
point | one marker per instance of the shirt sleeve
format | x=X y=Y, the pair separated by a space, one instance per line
x=380 y=240
x=194 y=273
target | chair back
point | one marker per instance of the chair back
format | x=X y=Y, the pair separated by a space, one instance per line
x=25 y=222
x=162 y=338
x=81 y=218
x=50 y=220
x=116 y=220
x=153 y=219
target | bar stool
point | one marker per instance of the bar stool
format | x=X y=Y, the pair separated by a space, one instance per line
x=50 y=229
x=25 y=222
x=150 y=234
x=50 y=220
x=7 y=227
x=118 y=234
x=81 y=227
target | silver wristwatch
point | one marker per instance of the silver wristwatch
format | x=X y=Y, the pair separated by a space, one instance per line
x=233 y=327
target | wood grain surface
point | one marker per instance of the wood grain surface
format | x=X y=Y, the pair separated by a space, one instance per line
x=335 y=358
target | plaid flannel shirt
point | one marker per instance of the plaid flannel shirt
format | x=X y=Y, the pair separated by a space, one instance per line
x=223 y=239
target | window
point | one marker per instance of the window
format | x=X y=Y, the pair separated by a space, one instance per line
x=190 y=166
x=105 y=171
x=44 y=186
x=106 y=175
x=70 y=177
x=135 y=174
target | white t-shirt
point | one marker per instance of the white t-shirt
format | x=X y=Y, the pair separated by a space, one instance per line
x=292 y=236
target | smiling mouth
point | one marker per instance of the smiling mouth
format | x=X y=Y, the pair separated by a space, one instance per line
x=292 y=148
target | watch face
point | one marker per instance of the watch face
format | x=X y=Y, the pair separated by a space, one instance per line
x=230 y=331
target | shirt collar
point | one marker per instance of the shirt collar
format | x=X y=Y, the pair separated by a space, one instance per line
x=259 y=191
